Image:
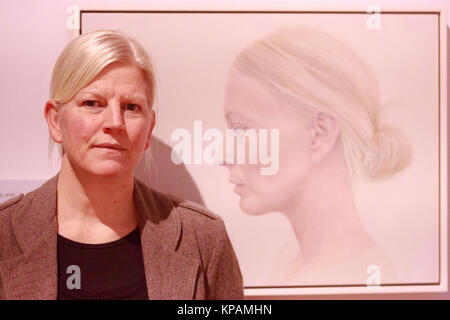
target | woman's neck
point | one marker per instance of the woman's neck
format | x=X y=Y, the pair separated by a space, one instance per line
x=324 y=216
x=94 y=209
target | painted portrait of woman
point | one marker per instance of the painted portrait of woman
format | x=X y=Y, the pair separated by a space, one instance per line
x=349 y=183
x=325 y=102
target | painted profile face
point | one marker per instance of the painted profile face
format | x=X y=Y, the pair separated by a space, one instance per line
x=107 y=125
x=251 y=105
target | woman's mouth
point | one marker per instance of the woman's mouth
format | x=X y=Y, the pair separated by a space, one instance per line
x=110 y=147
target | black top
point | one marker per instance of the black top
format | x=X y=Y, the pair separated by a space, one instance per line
x=113 y=270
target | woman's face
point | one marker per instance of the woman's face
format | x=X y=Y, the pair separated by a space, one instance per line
x=250 y=105
x=107 y=125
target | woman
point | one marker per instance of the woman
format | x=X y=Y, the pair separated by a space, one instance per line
x=325 y=103
x=94 y=231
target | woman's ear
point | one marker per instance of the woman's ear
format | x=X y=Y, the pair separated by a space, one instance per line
x=53 y=121
x=324 y=135
x=152 y=126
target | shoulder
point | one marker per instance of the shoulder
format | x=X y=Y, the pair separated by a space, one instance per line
x=208 y=227
x=165 y=200
x=184 y=207
x=8 y=242
x=205 y=224
x=10 y=202
x=192 y=207
x=202 y=221
x=196 y=222
x=8 y=208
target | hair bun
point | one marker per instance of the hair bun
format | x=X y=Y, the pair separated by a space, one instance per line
x=392 y=153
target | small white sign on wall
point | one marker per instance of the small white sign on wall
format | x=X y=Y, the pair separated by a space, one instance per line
x=11 y=188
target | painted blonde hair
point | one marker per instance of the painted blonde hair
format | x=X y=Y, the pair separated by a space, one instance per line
x=87 y=55
x=316 y=72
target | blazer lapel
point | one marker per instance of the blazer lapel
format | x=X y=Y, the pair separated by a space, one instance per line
x=169 y=274
x=33 y=275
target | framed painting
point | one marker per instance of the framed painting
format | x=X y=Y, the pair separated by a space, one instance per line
x=318 y=135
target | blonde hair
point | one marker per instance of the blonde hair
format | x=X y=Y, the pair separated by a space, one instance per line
x=87 y=55
x=318 y=73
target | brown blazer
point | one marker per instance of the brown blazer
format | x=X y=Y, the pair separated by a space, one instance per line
x=186 y=250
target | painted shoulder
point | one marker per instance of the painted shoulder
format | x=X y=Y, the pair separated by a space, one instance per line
x=192 y=206
x=11 y=202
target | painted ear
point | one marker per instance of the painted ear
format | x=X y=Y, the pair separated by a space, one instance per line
x=53 y=121
x=324 y=135
x=152 y=126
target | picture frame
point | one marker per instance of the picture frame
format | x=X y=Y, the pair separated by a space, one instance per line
x=193 y=47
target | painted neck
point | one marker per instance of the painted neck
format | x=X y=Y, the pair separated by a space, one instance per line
x=324 y=217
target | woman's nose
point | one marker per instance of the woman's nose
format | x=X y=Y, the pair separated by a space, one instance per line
x=228 y=161
x=113 y=119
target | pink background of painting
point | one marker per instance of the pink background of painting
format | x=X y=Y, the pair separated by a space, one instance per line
x=192 y=54
x=33 y=34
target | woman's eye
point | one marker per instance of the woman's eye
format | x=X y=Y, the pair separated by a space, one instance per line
x=239 y=127
x=131 y=107
x=91 y=103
